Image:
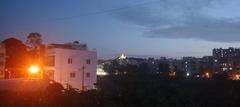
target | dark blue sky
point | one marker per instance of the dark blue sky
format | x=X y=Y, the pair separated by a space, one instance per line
x=171 y=28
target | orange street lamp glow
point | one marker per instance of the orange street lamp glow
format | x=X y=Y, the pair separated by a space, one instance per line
x=33 y=69
x=237 y=77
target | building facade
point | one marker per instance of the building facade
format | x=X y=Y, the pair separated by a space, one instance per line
x=226 y=60
x=72 y=65
x=190 y=65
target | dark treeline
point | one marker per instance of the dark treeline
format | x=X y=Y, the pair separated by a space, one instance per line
x=129 y=85
x=134 y=91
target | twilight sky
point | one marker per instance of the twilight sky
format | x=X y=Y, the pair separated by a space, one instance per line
x=141 y=28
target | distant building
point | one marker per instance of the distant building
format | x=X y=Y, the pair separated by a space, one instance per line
x=190 y=65
x=205 y=66
x=162 y=66
x=71 y=64
x=226 y=60
x=226 y=53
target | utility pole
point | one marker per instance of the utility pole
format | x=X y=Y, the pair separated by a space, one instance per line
x=83 y=75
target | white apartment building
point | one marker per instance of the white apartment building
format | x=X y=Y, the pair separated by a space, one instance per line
x=71 y=64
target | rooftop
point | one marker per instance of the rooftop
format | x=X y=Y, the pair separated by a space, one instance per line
x=75 y=46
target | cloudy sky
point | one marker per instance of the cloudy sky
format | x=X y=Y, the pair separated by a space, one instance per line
x=172 y=28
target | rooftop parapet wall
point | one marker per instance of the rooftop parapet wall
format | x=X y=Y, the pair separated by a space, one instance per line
x=75 y=46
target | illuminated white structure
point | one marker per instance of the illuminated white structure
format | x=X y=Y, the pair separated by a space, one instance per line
x=100 y=71
x=122 y=56
x=71 y=65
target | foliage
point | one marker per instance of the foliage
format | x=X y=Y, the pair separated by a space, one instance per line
x=16 y=51
x=134 y=91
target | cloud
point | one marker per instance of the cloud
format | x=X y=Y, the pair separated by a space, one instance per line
x=219 y=31
x=182 y=19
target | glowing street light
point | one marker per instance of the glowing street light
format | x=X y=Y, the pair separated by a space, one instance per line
x=207 y=75
x=33 y=69
x=237 y=77
x=172 y=74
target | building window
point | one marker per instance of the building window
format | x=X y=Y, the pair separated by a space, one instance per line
x=69 y=60
x=88 y=61
x=88 y=74
x=50 y=61
x=72 y=75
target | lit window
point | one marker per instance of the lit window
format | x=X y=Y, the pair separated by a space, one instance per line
x=72 y=75
x=224 y=69
x=88 y=61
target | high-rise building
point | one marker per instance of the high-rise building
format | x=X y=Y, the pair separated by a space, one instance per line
x=226 y=60
x=190 y=65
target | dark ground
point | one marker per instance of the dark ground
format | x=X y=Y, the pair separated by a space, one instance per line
x=124 y=91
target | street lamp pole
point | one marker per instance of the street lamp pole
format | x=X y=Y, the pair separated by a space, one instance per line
x=83 y=73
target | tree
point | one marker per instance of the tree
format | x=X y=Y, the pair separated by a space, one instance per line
x=35 y=47
x=16 y=57
x=34 y=41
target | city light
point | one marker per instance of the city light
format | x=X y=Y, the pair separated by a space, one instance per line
x=101 y=72
x=188 y=74
x=33 y=69
x=122 y=56
x=207 y=75
x=237 y=77
x=172 y=74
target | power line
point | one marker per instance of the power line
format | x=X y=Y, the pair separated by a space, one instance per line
x=104 y=11
x=44 y=21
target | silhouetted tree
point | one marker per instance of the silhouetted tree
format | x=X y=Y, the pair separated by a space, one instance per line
x=36 y=50
x=34 y=41
x=16 y=57
x=35 y=47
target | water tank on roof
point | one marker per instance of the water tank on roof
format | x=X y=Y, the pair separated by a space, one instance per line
x=75 y=42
